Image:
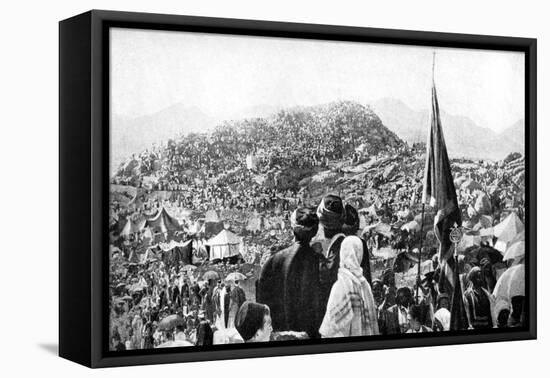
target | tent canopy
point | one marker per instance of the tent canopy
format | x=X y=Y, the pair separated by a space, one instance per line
x=225 y=237
x=132 y=227
x=163 y=223
x=509 y=228
x=225 y=244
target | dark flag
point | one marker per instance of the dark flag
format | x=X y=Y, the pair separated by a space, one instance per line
x=440 y=194
x=459 y=318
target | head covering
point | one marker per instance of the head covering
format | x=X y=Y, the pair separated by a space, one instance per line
x=443 y=316
x=351 y=310
x=351 y=220
x=304 y=223
x=351 y=254
x=250 y=318
x=473 y=272
x=331 y=212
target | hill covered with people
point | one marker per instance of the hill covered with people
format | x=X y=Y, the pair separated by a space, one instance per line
x=289 y=144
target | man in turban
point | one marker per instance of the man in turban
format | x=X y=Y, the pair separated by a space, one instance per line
x=289 y=280
x=327 y=243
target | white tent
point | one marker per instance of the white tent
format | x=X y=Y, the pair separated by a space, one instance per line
x=509 y=228
x=225 y=244
x=132 y=227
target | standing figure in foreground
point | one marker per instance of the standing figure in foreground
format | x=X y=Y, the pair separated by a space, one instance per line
x=327 y=243
x=351 y=310
x=289 y=280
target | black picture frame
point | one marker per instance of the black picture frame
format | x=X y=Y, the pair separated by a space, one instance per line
x=83 y=181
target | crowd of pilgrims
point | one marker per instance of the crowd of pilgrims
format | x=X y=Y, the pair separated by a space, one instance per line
x=321 y=286
x=288 y=139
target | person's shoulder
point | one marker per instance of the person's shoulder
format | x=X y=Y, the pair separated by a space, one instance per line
x=283 y=254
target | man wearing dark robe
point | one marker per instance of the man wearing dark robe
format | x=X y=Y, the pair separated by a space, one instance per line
x=289 y=280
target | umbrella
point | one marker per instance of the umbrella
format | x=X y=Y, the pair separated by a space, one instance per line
x=170 y=322
x=235 y=276
x=210 y=275
x=511 y=283
x=411 y=226
x=189 y=268
x=515 y=251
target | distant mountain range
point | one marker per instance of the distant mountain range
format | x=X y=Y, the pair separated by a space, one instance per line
x=463 y=137
x=133 y=135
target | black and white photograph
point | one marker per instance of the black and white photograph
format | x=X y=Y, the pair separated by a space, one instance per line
x=280 y=188
x=266 y=189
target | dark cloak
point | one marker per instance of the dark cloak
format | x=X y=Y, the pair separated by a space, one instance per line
x=289 y=285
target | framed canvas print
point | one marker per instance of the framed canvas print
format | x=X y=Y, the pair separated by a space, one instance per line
x=234 y=188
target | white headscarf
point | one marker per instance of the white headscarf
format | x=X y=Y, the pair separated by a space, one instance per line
x=351 y=254
x=342 y=317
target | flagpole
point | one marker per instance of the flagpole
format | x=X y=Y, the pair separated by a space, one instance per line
x=419 y=272
x=420 y=253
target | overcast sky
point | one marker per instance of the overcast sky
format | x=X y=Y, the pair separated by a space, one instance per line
x=222 y=75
